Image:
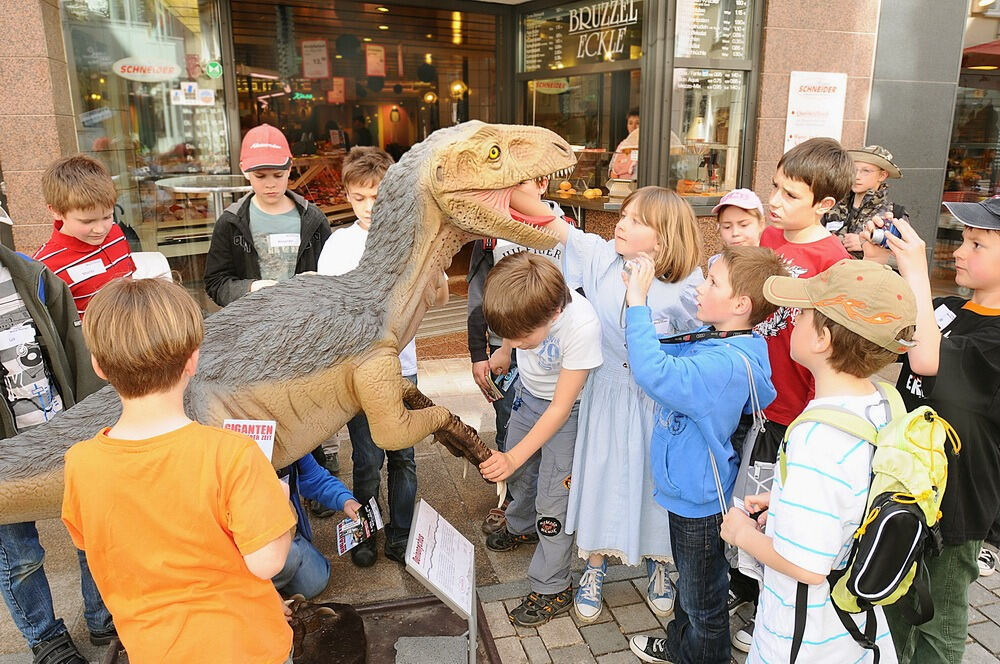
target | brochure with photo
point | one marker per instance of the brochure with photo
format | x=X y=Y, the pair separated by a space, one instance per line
x=351 y=532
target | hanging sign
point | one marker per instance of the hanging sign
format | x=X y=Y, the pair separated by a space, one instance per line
x=336 y=94
x=587 y=32
x=815 y=106
x=315 y=59
x=374 y=60
x=146 y=70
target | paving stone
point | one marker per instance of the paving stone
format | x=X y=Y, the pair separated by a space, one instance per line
x=635 y=618
x=604 y=638
x=578 y=654
x=991 y=611
x=987 y=634
x=525 y=631
x=975 y=616
x=624 y=657
x=496 y=617
x=511 y=651
x=535 y=650
x=976 y=654
x=979 y=596
x=992 y=581
x=620 y=593
x=560 y=632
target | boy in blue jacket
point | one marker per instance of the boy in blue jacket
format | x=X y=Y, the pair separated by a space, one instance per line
x=701 y=389
x=307 y=571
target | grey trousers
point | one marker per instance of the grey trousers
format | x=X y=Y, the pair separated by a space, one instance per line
x=541 y=493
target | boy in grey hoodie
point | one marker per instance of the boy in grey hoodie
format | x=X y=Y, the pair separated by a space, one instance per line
x=700 y=384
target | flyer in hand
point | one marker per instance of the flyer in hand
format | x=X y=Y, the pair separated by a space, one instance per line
x=351 y=532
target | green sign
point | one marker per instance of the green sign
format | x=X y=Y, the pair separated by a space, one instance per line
x=213 y=69
x=301 y=95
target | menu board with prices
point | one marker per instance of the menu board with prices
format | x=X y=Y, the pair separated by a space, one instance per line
x=582 y=33
x=712 y=29
x=708 y=79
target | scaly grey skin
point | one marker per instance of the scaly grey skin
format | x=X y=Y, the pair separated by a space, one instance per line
x=313 y=351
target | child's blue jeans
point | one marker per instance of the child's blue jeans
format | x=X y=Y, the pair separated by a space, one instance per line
x=699 y=632
x=26 y=589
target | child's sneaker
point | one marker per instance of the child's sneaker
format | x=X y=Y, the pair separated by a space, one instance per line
x=987 y=562
x=735 y=602
x=649 y=649
x=660 y=591
x=503 y=540
x=537 y=609
x=587 y=602
x=743 y=637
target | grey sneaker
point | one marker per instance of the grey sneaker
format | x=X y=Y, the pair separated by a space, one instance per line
x=743 y=637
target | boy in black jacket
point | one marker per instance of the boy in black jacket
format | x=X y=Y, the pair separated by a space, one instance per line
x=46 y=369
x=268 y=235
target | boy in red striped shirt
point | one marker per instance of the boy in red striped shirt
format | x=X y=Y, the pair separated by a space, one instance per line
x=87 y=249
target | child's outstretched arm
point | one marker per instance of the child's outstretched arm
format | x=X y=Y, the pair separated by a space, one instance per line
x=502 y=465
x=533 y=206
x=911 y=257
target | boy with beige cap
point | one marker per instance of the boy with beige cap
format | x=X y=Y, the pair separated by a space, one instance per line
x=855 y=318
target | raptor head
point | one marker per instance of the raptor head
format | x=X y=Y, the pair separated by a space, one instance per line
x=472 y=175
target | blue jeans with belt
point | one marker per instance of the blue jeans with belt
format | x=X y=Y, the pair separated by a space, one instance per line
x=306 y=571
x=368 y=459
x=26 y=591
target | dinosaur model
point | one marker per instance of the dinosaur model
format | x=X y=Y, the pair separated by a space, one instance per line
x=313 y=351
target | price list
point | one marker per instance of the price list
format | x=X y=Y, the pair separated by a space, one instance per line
x=543 y=40
x=714 y=80
x=712 y=28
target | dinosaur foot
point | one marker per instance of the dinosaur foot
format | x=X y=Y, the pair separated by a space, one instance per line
x=462 y=441
x=326 y=633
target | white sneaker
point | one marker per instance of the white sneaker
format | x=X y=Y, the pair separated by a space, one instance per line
x=587 y=601
x=987 y=562
x=743 y=637
x=660 y=590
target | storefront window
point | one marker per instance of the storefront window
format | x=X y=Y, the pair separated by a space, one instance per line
x=706 y=130
x=148 y=95
x=582 y=33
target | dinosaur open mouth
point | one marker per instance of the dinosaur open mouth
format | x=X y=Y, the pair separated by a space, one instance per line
x=498 y=200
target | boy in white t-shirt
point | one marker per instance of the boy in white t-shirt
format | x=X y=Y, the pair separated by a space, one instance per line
x=856 y=317
x=558 y=338
x=363 y=170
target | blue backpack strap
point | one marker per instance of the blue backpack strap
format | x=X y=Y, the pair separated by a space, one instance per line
x=41 y=281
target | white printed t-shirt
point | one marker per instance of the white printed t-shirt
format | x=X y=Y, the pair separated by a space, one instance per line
x=574 y=342
x=341 y=254
x=812 y=519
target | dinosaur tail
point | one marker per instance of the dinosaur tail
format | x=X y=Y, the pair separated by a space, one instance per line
x=31 y=463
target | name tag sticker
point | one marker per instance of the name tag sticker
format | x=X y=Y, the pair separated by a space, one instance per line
x=943 y=315
x=834 y=226
x=283 y=240
x=17 y=336
x=86 y=270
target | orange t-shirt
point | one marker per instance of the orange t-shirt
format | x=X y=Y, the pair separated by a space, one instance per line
x=165 y=523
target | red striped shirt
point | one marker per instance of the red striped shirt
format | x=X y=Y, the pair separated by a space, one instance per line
x=87 y=267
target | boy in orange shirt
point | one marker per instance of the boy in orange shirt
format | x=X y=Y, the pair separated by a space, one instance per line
x=184 y=525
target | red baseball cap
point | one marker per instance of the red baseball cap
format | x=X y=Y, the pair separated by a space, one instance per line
x=264 y=147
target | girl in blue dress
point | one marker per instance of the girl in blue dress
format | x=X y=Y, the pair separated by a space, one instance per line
x=611 y=504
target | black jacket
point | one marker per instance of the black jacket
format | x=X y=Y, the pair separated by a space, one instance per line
x=232 y=263
x=50 y=304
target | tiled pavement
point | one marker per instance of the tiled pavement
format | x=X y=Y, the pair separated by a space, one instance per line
x=625 y=614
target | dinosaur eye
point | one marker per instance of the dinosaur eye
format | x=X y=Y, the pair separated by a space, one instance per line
x=494 y=153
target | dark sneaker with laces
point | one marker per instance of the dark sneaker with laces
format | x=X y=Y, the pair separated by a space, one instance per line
x=396 y=552
x=58 y=650
x=104 y=637
x=502 y=540
x=537 y=609
x=649 y=649
x=735 y=602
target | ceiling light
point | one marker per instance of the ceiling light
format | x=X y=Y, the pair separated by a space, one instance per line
x=382 y=9
x=366 y=39
x=430 y=97
x=338 y=56
x=383 y=27
x=984 y=67
x=429 y=36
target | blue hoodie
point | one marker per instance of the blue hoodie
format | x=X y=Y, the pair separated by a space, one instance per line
x=700 y=389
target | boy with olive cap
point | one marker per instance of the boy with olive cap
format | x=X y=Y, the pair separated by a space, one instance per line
x=869 y=197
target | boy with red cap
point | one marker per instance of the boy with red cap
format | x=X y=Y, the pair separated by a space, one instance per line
x=271 y=233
